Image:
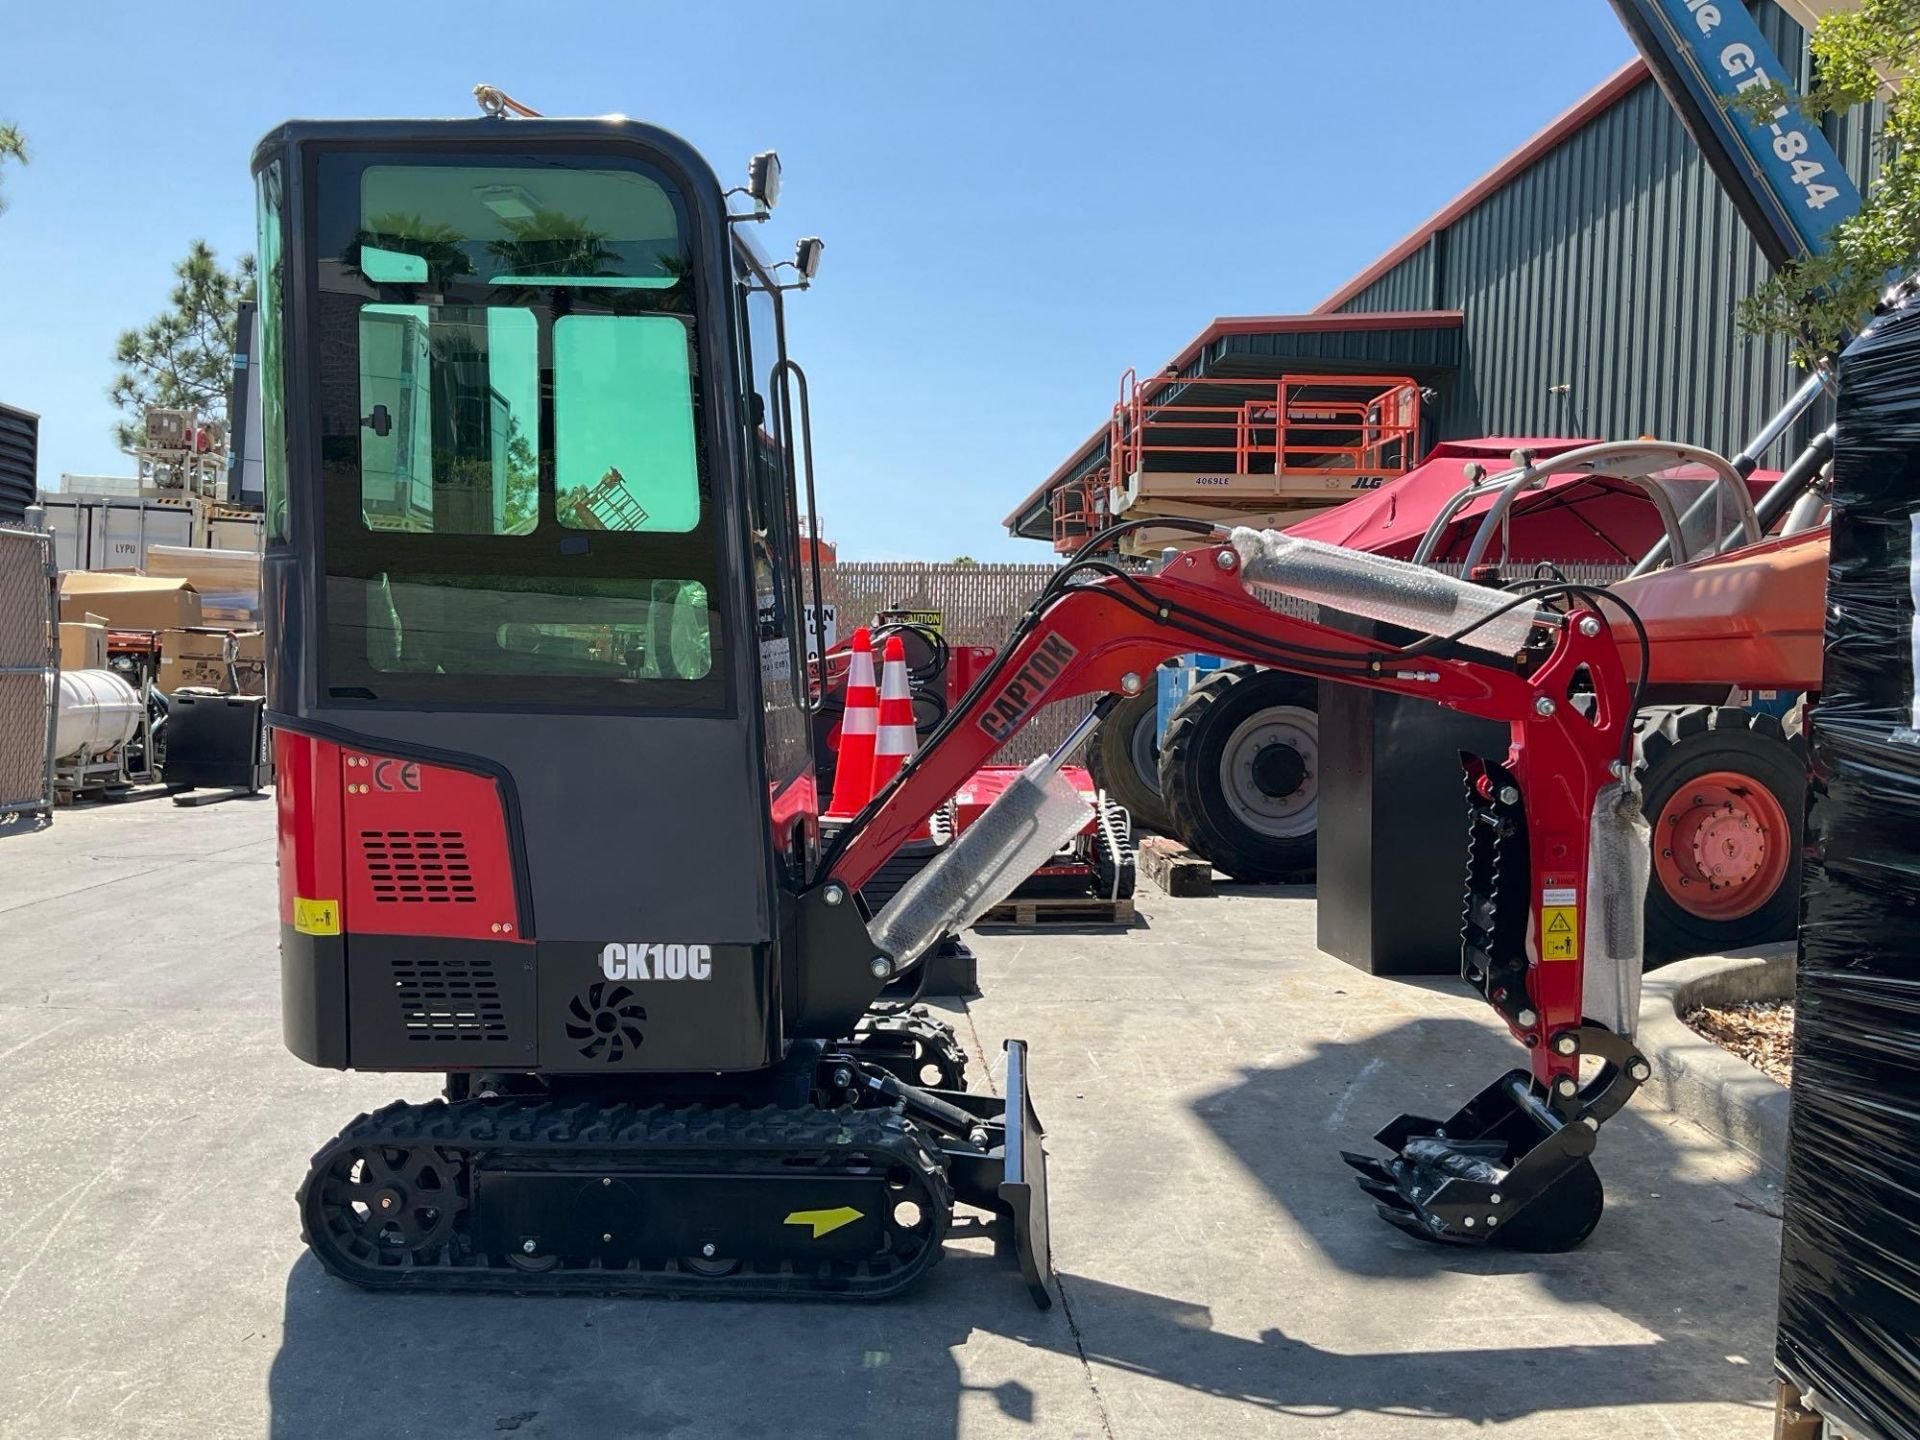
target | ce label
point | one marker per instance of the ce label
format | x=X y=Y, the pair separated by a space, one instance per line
x=392 y=775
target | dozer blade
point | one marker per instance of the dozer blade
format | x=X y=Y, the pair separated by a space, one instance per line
x=1008 y=1178
x=1505 y=1169
x=1025 y=1187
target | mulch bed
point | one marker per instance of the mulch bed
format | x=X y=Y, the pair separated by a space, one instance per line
x=1760 y=1033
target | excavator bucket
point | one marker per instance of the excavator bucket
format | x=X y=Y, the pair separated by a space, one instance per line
x=1511 y=1166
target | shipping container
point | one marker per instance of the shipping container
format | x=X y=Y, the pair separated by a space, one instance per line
x=112 y=533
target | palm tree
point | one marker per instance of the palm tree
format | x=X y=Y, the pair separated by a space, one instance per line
x=553 y=244
x=13 y=146
x=434 y=242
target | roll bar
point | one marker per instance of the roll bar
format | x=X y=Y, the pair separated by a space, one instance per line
x=1632 y=461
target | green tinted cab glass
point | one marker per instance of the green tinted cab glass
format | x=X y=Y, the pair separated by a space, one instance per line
x=273 y=409
x=453 y=456
x=623 y=424
x=523 y=341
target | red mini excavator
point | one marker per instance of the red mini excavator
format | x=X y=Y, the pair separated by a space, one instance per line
x=547 y=823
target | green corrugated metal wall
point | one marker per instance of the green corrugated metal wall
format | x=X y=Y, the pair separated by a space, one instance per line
x=1613 y=266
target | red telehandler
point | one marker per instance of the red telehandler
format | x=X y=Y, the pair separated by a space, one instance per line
x=547 y=824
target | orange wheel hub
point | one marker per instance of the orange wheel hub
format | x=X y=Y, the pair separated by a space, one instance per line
x=1721 y=845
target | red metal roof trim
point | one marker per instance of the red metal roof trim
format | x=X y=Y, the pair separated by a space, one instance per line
x=1225 y=325
x=1601 y=98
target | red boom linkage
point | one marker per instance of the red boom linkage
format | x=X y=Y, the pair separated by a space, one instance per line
x=1091 y=639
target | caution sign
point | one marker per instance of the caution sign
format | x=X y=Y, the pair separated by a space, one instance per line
x=316 y=917
x=1559 y=932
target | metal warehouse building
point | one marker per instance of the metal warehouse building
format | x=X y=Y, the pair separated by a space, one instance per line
x=1587 y=286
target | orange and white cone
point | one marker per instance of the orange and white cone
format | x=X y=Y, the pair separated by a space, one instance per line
x=896 y=739
x=853 y=770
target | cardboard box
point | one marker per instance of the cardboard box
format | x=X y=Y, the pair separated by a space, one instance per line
x=251 y=664
x=228 y=581
x=83 y=645
x=195 y=658
x=129 y=602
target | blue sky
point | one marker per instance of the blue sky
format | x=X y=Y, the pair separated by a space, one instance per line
x=1019 y=199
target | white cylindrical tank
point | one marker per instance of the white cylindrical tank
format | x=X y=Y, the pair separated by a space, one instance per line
x=99 y=712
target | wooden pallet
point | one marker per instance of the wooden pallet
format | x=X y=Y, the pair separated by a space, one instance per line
x=1790 y=1420
x=1059 y=910
x=1173 y=867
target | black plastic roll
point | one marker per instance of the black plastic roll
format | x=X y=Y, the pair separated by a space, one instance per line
x=1850 y=1261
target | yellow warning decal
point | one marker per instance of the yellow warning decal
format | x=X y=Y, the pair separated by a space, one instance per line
x=316 y=917
x=1559 y=932
x=824 y=1222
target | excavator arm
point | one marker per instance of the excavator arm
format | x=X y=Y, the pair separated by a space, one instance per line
x=1530 y=912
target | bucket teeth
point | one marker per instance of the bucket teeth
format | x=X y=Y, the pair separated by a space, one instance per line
x=1385 y=1194
x=1370 y=1167
x=1422 y=1226
x=1401 y=1185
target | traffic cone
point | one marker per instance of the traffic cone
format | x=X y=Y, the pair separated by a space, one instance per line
x=896 y=739
x=853 y=770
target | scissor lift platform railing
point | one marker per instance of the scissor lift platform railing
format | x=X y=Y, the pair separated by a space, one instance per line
x=1246 y=449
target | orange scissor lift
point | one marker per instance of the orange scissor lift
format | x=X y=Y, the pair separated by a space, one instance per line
x=1260 y=451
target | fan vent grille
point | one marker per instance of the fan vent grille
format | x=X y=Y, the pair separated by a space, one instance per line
x=604 y=1023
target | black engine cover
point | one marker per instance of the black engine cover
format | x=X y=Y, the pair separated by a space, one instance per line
x=639 y=1006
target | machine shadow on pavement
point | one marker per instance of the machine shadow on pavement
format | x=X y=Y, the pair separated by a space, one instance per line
x=965 y=1353
x=1173 y=1341
x=352 y=1364
x=1709 y=1304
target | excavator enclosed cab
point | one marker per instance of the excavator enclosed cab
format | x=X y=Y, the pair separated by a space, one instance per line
x=529 y=577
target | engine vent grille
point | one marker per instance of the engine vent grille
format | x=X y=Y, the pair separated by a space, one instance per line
x=418 y=867
x=449 y=1000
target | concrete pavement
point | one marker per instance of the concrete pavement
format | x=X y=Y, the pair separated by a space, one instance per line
x=1221 y=1273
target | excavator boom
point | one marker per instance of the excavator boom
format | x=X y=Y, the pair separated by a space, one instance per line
x=1551 y=905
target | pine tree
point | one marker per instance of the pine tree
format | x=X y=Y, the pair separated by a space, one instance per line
x=13 y=146
x=183 y=357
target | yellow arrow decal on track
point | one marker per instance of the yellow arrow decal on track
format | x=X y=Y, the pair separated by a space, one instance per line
x=824 y=1222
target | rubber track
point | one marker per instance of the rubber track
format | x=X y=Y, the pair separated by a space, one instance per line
x=622 y=1135
x=934 y=1036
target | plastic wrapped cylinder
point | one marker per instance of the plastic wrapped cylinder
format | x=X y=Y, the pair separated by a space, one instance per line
x=1617 y=863
x=1034 y=816
x=1376 y=588
x=1849 y=1331
x=98 y=713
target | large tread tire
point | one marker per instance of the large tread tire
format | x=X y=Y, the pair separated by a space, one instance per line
x=1679 y=743
x=1194 y=786
x=1114 y=757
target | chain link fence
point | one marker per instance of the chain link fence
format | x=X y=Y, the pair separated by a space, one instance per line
x=978 y=605
x=29 y=659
